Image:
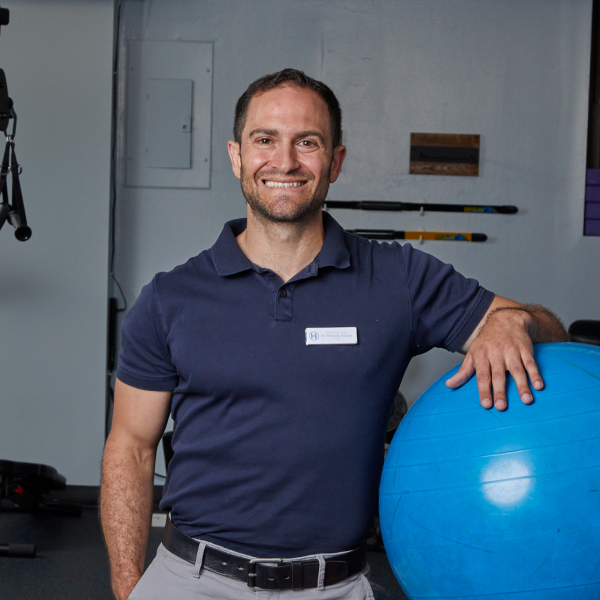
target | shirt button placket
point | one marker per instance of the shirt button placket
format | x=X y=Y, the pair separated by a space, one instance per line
x=283 y=300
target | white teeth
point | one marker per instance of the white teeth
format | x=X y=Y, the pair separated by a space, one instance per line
x=278 y=184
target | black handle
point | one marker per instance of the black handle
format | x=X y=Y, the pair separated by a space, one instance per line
x=22 y=231
x=378 y=234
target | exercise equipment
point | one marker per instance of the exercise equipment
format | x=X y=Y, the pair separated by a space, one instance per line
x=437 y=236
x=13 y=213
x=585 y=332
x=479 y=503
x=421 y=206
x=24 y=486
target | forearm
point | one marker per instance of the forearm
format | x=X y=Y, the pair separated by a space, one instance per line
x=542 y=325
x=126 y=511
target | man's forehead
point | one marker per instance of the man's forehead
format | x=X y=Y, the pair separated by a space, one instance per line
x=286 y=93
x=286 y=101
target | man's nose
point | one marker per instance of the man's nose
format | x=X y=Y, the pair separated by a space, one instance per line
x=285 y=158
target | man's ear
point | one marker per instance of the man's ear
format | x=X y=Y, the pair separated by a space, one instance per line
x=236 y=160
x=339 y=154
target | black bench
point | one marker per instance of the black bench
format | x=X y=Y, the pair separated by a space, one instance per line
x=585 y=332
x=24 y=486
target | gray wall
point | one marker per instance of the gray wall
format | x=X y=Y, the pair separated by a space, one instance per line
x=514 y=72
x=57 y=56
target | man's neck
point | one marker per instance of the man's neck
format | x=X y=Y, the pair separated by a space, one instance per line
x=284 y=248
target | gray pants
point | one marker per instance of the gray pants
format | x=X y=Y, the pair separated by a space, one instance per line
x=171 y=577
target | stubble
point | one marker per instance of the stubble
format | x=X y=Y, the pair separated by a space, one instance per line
x=283 y=208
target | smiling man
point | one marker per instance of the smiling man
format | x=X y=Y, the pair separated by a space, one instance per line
x=287 y=152
x=296 y=154
x=278 y=353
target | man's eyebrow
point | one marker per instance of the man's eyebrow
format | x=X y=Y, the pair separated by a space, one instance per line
x=254 y=132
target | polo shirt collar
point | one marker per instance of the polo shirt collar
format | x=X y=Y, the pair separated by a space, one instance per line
x=229 y=258
x=227 y=255
x=334 y=252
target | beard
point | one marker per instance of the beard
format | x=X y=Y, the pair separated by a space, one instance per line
x=283 y=208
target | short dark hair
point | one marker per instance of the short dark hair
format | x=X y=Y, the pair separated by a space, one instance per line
x=295 y=78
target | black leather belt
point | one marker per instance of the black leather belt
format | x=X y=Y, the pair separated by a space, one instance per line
x=265 y=573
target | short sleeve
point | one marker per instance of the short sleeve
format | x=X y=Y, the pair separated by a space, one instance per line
x=446 y=306
x=145 y=361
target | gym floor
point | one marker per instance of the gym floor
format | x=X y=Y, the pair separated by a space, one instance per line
x=71 y=562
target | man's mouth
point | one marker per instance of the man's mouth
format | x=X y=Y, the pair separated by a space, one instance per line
x=281 y=184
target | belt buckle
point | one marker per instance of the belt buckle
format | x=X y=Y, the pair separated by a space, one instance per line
x=252 y=568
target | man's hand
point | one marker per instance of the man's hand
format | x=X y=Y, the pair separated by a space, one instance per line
x=123 y=586
x=503 y=342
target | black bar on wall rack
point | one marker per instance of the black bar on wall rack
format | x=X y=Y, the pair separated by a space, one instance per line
x=417 y=206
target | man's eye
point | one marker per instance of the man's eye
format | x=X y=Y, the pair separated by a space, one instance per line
x=264 y=141
x=307 y=143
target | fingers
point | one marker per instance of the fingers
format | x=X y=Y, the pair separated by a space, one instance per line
x=463 y=374
x=519 y=374
x=499 y=385
x=484 y=386
x=532 y=370
x=491 y=375
x=484 y=382
x=491 y=370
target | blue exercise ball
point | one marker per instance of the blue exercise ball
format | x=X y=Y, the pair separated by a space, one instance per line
x=478 y=503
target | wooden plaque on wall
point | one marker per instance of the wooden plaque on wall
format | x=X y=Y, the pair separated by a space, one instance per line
x=444 y=154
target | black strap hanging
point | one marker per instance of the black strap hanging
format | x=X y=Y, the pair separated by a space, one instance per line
x=5 y=207
x=17 y=218
x=15 y=212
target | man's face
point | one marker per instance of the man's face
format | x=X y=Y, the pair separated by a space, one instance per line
x=286 y=160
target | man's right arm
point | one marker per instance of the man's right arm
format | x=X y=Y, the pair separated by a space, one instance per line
x=139 y=419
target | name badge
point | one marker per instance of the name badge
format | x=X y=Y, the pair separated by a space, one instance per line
x=316 y=336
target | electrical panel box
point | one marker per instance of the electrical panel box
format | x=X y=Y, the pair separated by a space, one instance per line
x=168 y=114
x=168 y=123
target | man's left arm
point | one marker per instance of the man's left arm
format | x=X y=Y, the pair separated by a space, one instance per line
x=503 y=341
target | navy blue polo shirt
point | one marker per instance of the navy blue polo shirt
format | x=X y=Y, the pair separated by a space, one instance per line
x=279 y=444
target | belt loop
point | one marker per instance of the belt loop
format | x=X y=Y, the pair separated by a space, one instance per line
x=297 y=579
x=199 y=559
x=321 y=580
